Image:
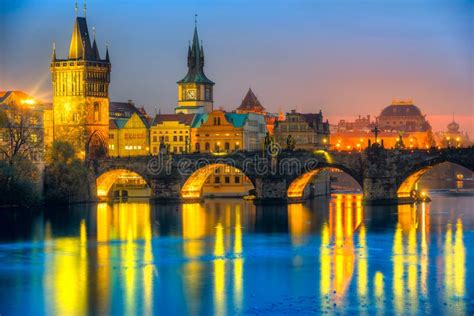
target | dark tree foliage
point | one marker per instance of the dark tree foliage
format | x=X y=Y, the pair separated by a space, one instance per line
x=65 y=176
x=19 y=183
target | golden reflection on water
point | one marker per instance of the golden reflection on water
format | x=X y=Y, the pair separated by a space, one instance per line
x=217 y=229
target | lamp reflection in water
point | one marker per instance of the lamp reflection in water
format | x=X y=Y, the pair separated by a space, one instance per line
x=201 y=221
x=337 y=254
x=129 y=223
x=66 y=275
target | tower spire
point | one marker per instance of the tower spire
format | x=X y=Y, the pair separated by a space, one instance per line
x=107 y=58
x=75 y=8
x=53 y=54
x=85 y=8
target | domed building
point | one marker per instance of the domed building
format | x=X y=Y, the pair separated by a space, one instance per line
x=453 y=137
x=403 y=115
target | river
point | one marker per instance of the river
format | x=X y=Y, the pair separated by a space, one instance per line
x=221 y=257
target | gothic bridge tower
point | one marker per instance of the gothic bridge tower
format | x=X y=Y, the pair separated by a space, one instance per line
x=81 y=94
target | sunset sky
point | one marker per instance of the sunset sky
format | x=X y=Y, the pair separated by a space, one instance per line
x=346 y=57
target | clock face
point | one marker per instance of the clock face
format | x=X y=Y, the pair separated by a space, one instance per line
x=191 y=94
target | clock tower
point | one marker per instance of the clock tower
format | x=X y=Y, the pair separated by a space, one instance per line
x=195 y=90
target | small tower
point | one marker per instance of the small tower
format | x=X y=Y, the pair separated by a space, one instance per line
x=195 y=90
x=81 y=94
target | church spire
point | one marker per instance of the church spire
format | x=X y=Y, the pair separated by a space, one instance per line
x=196 y=60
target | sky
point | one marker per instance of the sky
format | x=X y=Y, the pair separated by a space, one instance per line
x=345 y=57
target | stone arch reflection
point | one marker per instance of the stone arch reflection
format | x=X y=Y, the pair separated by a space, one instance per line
x=216 y=175
x=122 y=180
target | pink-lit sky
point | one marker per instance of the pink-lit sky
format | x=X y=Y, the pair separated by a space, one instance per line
x=346 y=57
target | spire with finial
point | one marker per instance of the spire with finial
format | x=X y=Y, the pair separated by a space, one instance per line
x=53 y=54
x=76 y=8
x=107 y=58
x=85 y=8
x=196 y=60
x=95 y=49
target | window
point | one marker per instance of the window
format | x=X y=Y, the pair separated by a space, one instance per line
x=207 y=147
x=111 y=136
x=155 y=150
x=33 y=120
x=217 y=179
x=155 y=139
x=75 y=117
x=180 y=138
x=34 y=137
x=111 y=146
x=237 y=179
x=181 y=149
x=96 y=111
x=227 y=179
x=175 y=138
x=216 y=147
x=197 y=147
x=227 y=146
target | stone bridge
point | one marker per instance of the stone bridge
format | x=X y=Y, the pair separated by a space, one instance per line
x=385 y=176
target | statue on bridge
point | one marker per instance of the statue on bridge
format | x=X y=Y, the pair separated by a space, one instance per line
x=399 y=144
x=290 y=143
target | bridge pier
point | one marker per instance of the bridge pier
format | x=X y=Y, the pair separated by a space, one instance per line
x=166 y=189
x=380 y=191
x=270 y=189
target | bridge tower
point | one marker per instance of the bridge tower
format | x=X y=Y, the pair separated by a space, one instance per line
x=81 y=93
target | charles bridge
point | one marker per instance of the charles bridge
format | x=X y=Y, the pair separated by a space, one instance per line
x=385 y=176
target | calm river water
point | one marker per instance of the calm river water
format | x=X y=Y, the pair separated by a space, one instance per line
x=229 y=256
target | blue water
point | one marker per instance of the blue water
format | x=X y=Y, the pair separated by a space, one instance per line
x=330 y=256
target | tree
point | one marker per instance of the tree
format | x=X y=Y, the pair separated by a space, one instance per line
x=65 y=176
x=19 y=183
x=22 y=133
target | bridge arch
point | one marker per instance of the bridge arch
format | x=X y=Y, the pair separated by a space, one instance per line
x=193 y=185
x=297 y=187
x=408 y=180
x=108 y=178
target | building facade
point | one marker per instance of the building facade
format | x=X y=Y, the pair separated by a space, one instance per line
x=308 y=131
x=128 y=131
x=171 y=132
x=81 y=94
x=195 y=90
x=26 y=127
x=221 y=132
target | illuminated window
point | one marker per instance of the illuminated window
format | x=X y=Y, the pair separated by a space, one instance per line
x=33 y=120
x=34 y=137
x=75 y=117
x=180 y=138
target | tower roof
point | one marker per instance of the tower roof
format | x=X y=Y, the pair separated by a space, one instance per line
x=251 y=103
x=196 y=63
x=80 y=46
